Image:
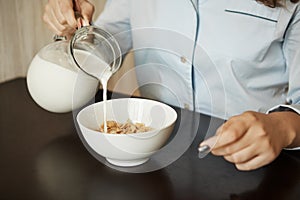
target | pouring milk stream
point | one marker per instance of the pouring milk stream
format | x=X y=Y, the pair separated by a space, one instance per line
x=99 y=69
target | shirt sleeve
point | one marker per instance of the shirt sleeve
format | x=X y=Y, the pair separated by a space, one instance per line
x=115 y=19
x=291 y=50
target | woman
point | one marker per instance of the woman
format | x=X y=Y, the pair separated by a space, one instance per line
x=236 y=60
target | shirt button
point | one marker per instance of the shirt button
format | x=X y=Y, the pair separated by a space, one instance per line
x=183 y=59
x=186 y=106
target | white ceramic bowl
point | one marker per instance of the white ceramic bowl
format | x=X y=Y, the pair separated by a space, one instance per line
x=127 y=149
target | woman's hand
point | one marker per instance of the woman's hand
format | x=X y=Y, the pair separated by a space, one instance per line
x=60 y=17
x=252 y=140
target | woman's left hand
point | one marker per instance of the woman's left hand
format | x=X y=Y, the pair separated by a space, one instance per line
x=252 y=140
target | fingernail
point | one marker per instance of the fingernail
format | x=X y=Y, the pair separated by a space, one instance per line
x=203 y=151
x=206 y=146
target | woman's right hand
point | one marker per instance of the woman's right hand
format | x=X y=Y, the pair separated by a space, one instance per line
x=60 y=17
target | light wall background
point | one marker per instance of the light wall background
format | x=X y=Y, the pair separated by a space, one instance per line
x=23 y=34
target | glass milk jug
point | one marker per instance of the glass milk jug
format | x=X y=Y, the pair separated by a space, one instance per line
x=64 y=75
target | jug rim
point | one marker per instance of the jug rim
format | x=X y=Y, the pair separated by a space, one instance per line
x=114 y=46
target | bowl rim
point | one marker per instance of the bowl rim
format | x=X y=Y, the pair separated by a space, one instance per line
x=172 y=122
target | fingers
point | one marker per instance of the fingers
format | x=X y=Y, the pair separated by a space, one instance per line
x=248 y=140
x=230 y=132
x=55 y=25
x=246 y=154
x=234 y=140
x=65 y=13
x=249 y=159
x=60 y=18
x=254 y=163
x=242 y=156
x=86 y=9
x=50 y=24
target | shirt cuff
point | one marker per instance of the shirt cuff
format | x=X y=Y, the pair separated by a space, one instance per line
x=283 y=107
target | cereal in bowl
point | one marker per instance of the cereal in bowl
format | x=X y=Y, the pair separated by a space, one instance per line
x=114 y=127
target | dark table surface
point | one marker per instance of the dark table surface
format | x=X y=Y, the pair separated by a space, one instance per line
x=42 y=157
